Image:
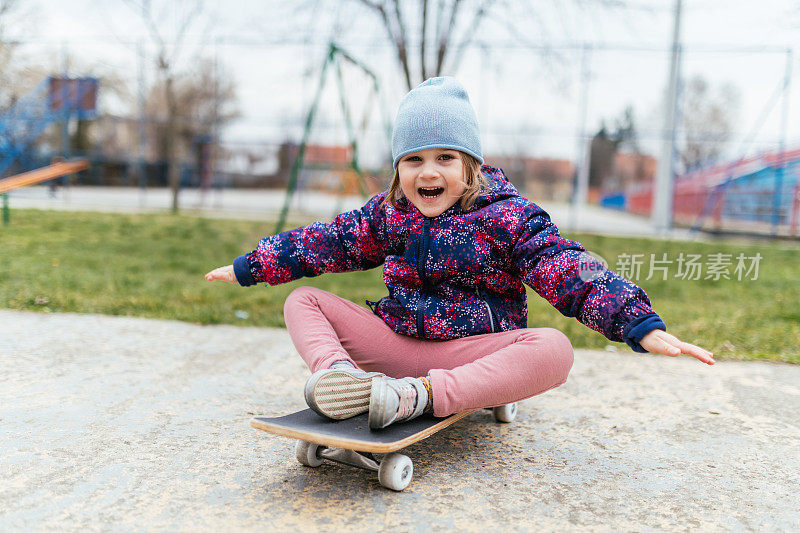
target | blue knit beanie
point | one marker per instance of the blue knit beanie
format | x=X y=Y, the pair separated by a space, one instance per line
x=436 y=114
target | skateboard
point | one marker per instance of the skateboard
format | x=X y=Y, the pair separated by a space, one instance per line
x=353 y=443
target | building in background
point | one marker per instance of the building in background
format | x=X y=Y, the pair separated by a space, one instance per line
x=537 y=178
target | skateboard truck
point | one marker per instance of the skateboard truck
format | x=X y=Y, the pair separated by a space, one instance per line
x=395 y=470
x=363 y=460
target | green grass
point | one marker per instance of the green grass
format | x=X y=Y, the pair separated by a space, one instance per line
x=153 y=266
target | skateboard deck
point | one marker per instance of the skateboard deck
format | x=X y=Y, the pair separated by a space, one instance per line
x=352 y=442
x=354 y=433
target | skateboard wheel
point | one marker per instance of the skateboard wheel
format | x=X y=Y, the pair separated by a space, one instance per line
x=505 y=413
x=306 y=453
x=395 y=471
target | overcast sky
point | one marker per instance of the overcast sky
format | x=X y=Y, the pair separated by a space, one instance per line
x=526 y=101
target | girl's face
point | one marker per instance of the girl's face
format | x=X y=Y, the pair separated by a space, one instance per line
x=432 y=180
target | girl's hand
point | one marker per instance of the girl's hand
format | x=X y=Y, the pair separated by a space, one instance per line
x=658 y=341
x=223 y=274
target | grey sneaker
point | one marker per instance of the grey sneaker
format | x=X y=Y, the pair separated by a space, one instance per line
x=395 y=400
x=339 y=392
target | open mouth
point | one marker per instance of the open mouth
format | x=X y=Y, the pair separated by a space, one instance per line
x=430 y=192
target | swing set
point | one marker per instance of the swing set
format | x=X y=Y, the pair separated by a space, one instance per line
x=336 y=56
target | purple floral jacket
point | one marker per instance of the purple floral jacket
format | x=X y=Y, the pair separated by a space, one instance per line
x=460 y=273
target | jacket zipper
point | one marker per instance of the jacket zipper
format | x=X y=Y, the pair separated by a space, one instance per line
x=488 y=308
x=421 y=257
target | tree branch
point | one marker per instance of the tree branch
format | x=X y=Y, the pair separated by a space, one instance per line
x=439 y=22
x=444 y=37
x=470 y=32
x=143 y=9
x=402 y=44
x=398 y=40
x=422 y=40
x=187 y=21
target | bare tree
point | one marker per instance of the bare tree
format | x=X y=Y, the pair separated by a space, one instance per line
x=441 y=31
x=203 y=99
x=437 y=51
x=603 y=150
x=17 y=78
x=605 y=146
x=6 y=47
x=169 y=46
x=707 y=118
x=89 y=132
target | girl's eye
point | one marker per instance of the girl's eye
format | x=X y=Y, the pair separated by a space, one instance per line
x=413 y=158
x=447 y=157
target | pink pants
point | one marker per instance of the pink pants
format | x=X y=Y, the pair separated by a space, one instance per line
x=467 y=373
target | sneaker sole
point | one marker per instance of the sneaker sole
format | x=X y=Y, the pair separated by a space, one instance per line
x=339 y=395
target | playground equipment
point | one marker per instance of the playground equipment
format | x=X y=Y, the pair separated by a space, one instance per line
x=53 y=100
x=56 y=170
x=335 y=55
x=39 y=175
x=759 y=194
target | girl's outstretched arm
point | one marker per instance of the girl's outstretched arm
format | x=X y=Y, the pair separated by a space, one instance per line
x=658 y=341
x=223 y=274
x=354 y=240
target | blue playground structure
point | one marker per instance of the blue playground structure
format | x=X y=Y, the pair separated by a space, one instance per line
x=763 y=195
x=54 y=100
x=759 y=194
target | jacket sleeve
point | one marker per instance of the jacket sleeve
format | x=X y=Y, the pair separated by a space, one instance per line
x=355 y=240
x=578 y=285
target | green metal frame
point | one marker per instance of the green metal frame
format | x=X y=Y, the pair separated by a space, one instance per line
x=334 y=52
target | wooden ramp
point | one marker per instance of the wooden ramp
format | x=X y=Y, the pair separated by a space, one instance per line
x=56 y=170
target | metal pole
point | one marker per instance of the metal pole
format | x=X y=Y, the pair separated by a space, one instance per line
x=484 y=97
x=387 y=123
x=662 y=197
x=298 y=161
x=583 y=146
x=781 y=163
x=215 y=149
x=6 y=210
x=66 y=111
x=140 y=127
x=350 y=132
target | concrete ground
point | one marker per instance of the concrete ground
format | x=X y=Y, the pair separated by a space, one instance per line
x=116 y=423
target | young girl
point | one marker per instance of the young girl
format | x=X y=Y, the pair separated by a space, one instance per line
x=457 y=241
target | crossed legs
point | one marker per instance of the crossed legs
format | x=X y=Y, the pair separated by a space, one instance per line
x=467 y=373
